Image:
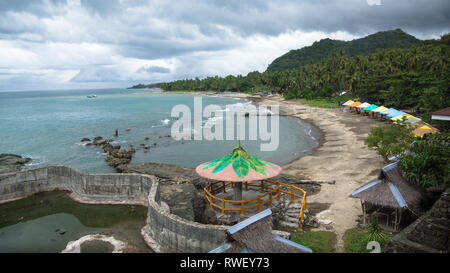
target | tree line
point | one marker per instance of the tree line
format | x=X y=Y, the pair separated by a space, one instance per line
x=415 y=79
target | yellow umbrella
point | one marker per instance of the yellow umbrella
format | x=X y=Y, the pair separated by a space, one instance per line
x=423 y=130
x=380 y=109
x=355 y=104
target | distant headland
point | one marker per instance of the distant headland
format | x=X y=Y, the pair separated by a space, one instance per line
x=145 y=86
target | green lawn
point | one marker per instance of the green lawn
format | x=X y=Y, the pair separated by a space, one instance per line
x=323 y=103
x=318 y=241
x=355 y=241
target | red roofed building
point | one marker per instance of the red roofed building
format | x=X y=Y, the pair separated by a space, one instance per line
x=443 y=114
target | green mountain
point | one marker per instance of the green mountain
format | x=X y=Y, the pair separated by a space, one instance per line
x=325 y=48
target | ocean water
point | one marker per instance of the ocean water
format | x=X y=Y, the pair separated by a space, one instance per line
x=48 y=127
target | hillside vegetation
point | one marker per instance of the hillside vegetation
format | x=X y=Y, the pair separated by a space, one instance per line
x=326 y=48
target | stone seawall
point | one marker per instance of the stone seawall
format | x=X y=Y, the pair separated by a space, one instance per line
x=175 y=234
x=88 y=188
x=164 y=232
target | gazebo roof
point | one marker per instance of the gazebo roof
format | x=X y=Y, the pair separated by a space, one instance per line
x=390 y=189
x=238 y=166
x=255 y=235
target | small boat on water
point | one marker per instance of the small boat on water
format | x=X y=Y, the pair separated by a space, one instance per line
x=91 y=96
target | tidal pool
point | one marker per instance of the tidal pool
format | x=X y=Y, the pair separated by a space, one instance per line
x=47 y=221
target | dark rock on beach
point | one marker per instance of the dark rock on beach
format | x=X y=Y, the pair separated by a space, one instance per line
x=12 y=163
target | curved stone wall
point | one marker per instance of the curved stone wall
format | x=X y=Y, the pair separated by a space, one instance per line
x=164 y=232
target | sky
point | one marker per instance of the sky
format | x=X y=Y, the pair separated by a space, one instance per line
x=79 y=44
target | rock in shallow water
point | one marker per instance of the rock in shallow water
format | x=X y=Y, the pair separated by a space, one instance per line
x=12 y=162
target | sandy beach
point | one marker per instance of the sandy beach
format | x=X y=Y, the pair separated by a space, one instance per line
x=341 y=156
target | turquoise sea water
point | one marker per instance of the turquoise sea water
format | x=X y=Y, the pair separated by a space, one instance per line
x=48 y=126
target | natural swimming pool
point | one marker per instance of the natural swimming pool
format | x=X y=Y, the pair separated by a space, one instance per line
x=48 y=221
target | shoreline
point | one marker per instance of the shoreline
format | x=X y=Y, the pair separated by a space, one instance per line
x=259 y=101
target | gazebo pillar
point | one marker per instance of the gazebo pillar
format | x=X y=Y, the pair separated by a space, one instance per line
x=238 y=191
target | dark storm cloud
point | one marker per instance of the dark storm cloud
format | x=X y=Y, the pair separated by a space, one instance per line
x=202 y=25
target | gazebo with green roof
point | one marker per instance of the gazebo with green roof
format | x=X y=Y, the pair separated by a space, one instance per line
x=238 y=166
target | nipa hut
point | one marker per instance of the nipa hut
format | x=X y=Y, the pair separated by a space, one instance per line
x=254 y=235
x=389 y=198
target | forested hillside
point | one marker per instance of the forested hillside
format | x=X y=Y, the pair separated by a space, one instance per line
x=326 y=48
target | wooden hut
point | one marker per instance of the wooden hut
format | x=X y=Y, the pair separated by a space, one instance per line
x=254 y=235
x=389 y=198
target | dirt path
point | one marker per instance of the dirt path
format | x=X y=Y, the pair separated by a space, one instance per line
x=342 y=156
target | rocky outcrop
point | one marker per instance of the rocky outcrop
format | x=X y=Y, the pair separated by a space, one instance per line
x=180 y=187
x=202 y=212
x=119 y=156
x=116 y=155
x=166 y=173
x=429 y=233
x=12 y=163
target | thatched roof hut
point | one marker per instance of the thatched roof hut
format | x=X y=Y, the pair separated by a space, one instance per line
x=255 y=235
x=390 y=190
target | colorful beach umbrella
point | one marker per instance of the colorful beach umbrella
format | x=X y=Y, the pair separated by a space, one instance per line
x=379 y=109
x=421 y=131
x=371 y=107
x=395 y=113
x=347 y=103
x=412 y=121
x=388 y=111
x=355 y=104
x=407 y=116
x=364 y=105
x=238 y=166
